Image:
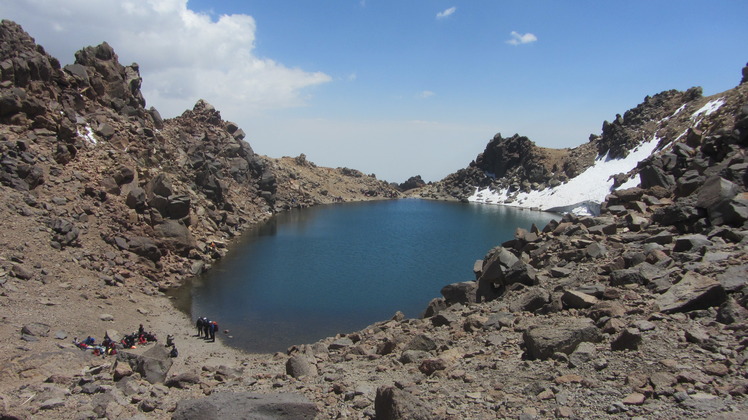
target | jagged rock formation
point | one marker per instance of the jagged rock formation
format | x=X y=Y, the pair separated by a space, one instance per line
x=515 y=167
x=163 y=190
x=518 y=164
x=411 y=183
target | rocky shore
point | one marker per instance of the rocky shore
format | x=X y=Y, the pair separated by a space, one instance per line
x=639 y=312
x=104 y=207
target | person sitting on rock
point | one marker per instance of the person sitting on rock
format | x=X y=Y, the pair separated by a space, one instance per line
x=174 y=352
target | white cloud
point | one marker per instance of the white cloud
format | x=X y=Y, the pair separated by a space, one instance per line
x=426 y=94
x=183 y=55
x=446 y=13
x=518 y=38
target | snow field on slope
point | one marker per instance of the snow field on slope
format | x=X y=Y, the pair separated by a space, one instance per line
x=591 y=185
x=582 y=194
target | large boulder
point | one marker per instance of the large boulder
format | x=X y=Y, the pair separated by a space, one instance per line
x=183 y=380
x=714 y=191
x=520 y=272
x=153 y=364
x=532 y=300
x=693 y=291
x=143 y=246
x=136 y=199
x=175 y=236
x=463 y=292
x=681 y=212
x=123 y=175
x=245 y=405
x=732 y=212
x=35 y=329
x=300 y=365
x=421 y=342
x=691 y=243
x=160 y=185
x=495 y=265
x=394 y=404
x=577 y=300
x=178 y=206
x=734 y=278
x=652 y=176
x=543 y=340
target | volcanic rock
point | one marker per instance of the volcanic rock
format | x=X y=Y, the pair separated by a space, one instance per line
x=693 y=291
x=542 y=341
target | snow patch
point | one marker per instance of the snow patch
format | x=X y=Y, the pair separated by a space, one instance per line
x=677 y=111
x=580 y=195
x=87 y=134
x=709 y=108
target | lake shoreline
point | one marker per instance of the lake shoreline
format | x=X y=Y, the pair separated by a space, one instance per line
x=411 y=249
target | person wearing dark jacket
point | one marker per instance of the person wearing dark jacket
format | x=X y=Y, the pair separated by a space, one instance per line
x=206 y=328
x=199 y=326
x=213 y=328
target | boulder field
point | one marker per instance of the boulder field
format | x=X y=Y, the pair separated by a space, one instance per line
x=639 y=312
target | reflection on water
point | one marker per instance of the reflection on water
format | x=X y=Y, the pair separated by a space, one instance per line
x=308 y=274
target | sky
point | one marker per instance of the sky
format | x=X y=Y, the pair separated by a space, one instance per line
x=399 y=88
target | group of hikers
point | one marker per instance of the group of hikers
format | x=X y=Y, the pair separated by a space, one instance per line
x=206 y=328
x=109 y=345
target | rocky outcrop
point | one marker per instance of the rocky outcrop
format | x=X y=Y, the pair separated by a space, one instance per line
x=543 y=341
x=622 y=135
x=515 y=163
x=411 y=183
x=673 y=120
x=152 y=190
x=153 y=364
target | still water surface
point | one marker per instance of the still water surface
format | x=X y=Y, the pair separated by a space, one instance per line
x=309 y=274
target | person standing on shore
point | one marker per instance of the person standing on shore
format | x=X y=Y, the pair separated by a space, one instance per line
x=206 y=328
x=199 y=326
x=213 y=329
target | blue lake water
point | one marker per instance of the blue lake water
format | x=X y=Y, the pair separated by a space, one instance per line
x=312 y=273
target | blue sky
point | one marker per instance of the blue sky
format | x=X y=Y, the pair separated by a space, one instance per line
x=400 y=88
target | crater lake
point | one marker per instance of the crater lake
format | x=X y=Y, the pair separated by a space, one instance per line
x=312 y=273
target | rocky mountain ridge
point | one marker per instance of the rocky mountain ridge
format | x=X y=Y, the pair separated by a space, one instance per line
x=637 y=313
x=515 y=166
x=155 y=187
